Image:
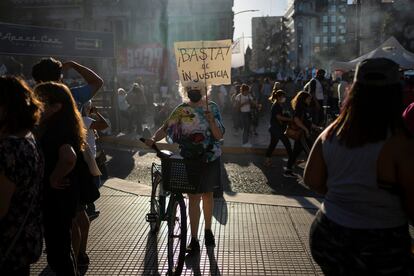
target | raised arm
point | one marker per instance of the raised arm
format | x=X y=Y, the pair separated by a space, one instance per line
x=89 y=76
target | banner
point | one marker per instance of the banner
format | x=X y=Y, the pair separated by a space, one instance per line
x=204 y=61
x=41 y=41
x=143 y=60
x=237 y=54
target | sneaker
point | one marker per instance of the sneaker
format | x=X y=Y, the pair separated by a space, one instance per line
x=93 y=214
x=193 y=247
x=209 y=238
x=247 y=145
x=83 y=259
x=289 y=174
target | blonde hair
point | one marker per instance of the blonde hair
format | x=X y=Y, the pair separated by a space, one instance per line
x=275 y=94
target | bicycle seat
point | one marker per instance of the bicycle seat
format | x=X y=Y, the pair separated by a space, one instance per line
x=165 y=154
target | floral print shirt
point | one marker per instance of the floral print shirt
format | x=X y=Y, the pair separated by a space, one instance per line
x=188 y=127
x=22 y=163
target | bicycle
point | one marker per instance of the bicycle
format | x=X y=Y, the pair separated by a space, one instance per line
x=170 y=180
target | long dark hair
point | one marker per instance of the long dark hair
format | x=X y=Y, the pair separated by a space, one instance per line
x=299 y=101
x=369 y=113
x=67 y=122
x=20 y=107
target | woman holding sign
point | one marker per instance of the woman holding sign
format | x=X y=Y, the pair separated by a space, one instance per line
x=198 y=130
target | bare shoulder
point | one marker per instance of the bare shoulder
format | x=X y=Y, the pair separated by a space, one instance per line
x=401 y=147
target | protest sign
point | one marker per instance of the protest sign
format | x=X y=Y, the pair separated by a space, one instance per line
x=204 y=61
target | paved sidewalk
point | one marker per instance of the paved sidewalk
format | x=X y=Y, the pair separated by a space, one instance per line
x=252 y=239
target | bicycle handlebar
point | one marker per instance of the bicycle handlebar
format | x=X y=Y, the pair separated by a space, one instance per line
x=160 y=153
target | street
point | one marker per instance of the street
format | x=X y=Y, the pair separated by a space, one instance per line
x=241 y=173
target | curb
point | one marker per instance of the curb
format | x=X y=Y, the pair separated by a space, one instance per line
x=129 y=142
x=260 y=199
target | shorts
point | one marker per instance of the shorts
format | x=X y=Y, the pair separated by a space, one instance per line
x=210 y=177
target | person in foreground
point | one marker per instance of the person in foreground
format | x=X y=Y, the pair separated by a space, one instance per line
x=62 y=137
x=363 y=163
x=198 y=133
x=21 y=175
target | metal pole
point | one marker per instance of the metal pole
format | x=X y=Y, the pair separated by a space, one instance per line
x=205 y=81
x=358 y=29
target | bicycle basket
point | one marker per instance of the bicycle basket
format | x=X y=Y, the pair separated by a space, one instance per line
x=180 y=175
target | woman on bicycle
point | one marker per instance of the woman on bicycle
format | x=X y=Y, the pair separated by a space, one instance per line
x=199 y=133
x=277 y=125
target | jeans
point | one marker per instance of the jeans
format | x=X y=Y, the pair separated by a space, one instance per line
x=245 y=118
x=236 y=119
x=302 y=144
x=58 y=238
x=275 y=136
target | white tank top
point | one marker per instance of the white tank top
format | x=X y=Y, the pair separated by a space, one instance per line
x=318 y=90
x=354 y=199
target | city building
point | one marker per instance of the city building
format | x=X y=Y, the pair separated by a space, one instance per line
x=144 y=30
x=369 y=18
x=319 y=32
x=263 y=30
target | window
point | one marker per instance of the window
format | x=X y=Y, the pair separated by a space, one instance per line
x=342 y=19
x=332 y=8
x=325 y=19
x=325 y=29
x=333 y=29
x=342 y=30
x=325 y=39
x=317 y=39
x=333 y=39
x=333 y=18
x=341 y=39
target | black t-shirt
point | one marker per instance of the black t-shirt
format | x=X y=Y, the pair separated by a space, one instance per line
x=305 y=116
x=276 y=110
x=62 y=201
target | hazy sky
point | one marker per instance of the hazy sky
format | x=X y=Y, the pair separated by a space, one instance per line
x=243 y=21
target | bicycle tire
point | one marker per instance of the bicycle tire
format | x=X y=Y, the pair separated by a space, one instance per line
x=155 y=207
x=177 y=235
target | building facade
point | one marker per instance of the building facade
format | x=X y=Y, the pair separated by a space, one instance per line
x=144 y=30
x=369 y=17
x=263 y=29
x=318 y=29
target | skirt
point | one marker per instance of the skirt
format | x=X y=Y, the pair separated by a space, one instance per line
x=210 y=177
x=344 y=251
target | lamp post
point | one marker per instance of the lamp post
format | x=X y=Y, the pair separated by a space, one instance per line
x=245 y=11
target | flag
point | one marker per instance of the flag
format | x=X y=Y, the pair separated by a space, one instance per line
x=237 y=54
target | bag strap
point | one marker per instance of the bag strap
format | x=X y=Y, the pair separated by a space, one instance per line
x=17 y=236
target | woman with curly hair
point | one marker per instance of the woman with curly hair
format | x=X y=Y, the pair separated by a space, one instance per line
x=198 y=132
x=21 y=170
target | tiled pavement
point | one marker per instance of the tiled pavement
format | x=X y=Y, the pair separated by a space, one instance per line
x=252 y=239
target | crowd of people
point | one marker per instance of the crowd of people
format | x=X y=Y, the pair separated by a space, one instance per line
x=48 y=170
x=361 y=160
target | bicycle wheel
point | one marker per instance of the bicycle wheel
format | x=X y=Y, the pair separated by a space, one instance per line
x=177 y=234
x=154 y=217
